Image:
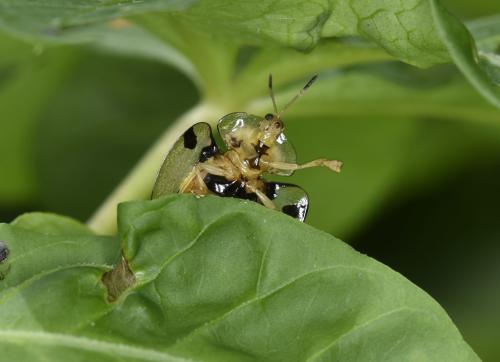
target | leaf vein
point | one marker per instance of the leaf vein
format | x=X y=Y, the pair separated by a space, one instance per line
x=361 y=326
x=88 y=344
x=259 y=298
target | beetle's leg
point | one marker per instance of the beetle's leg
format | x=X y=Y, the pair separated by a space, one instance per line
x=201 y=183
x=215 y=170
x=187 y=181
x=194 y=182
x=333 y=165
x=266 y=201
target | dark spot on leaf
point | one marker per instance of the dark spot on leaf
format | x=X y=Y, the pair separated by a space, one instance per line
x=190 y=139
x=118 y=280
x=4 y=251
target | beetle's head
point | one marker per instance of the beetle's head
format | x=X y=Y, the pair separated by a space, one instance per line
x=270 y=128
x=271 y=125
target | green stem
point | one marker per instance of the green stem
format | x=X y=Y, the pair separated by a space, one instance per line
x=139 y=182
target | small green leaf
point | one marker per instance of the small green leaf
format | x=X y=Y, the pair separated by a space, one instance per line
x=462 y=49
x=404 y=29
x=205 y=39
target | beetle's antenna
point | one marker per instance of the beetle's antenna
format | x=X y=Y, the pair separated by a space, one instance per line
x=271 y=93
x=300 y=94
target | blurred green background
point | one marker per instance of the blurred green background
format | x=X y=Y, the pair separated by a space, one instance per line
x=421 y=194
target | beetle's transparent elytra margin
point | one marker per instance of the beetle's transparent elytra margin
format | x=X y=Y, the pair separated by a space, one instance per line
x=181 y=158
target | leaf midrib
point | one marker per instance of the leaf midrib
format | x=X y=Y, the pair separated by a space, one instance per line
x=88 y=344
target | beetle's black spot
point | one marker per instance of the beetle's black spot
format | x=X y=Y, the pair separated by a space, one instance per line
x=209 y=151
x=4 y=251
x=269 y=117
x=297 y=211
x=292 y=210
x=190 y=139
x=272 y=190
x=221 y=186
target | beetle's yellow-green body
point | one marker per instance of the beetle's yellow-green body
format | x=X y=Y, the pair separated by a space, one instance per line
x=254 y=146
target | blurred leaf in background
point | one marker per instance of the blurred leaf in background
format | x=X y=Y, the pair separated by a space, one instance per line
x=446 y=239
x=110 y=109
x=27 y=83
x=78 y=120
x=466 y=10
x=421 y=146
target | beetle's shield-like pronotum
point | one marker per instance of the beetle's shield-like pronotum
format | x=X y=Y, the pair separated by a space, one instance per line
x=182 y=158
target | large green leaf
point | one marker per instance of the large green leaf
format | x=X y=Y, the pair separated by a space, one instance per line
x=102 y=138
x=209 y=33
x=213 y=280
